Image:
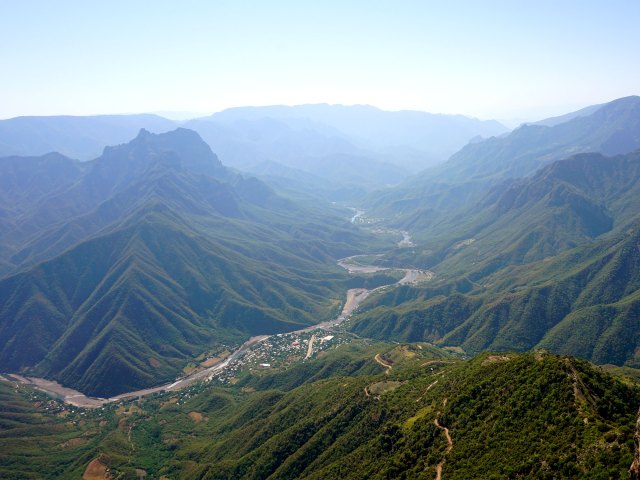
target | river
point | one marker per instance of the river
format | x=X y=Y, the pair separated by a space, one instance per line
x=355 y=297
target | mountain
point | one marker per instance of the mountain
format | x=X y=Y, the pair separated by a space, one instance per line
x=553 y=121
x=124 y=269
x=549 y=260
x=349 y=150
x=568 y=203
x=407 y=139
x=612 y=129
x=76 y=137
x=583 y=302
x=531 y=415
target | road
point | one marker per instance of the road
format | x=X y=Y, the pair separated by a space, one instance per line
x=355 y=297
x=384 y=363
x=78 y=399
x=445 y=431
x=310 y=348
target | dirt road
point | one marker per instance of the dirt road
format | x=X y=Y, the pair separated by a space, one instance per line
x=355 y=297
x=383 y=362
x=310 y=348
x=78 y=399
x=445 y=431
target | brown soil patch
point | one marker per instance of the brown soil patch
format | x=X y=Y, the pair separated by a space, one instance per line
x=247 y=389
x=189 y=369
x=495 y=359
x=74 y=442
x=453 y=349
x=128 y=411
x=210 y=362
x=96 y=470
x=196 y=416
x=169 y=402
x=123 y=424
x=154 y=362
x=383 y=387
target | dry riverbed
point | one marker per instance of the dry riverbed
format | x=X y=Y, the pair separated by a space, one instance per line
x=355 y=297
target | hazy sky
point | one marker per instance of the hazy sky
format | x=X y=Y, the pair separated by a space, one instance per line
x=490 y=59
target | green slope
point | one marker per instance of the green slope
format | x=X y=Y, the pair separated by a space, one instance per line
x=466 y=177
x=169 y=256
x=530 y=416
x=582 y=302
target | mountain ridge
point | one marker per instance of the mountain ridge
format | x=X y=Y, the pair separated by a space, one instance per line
x=167 y=247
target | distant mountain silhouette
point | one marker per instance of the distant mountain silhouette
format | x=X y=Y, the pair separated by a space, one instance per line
x=82 y=138
x=612 y=129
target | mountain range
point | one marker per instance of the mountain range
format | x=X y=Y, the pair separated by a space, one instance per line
x=549 y=260
x=120 y=270
x=513 y=354
x=610 y=129
x=345 y=151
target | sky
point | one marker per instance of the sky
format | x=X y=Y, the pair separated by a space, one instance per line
x=511 y=60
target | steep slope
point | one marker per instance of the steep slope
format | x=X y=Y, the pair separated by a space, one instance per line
x=553 y=121
x=566 y=204
x=152 y=291
x=611 y=129
x=158 y=253
x=101 y=189
x=583 y=302
x=384 y=145
x=352 y=149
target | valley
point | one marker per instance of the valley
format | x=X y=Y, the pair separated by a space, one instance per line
x=320 y=240
x=164 y=315
x=239 y=359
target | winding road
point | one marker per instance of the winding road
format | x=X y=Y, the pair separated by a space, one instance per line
x=445 y=431
x=387 y=366
x=355 y=297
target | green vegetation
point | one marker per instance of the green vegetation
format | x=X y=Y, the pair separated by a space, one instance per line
x=520 y=281
x=153 y=254
x=583 y=302
x=42 y=438
x=426 y=199
x=511 y=415
x=126 y=271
